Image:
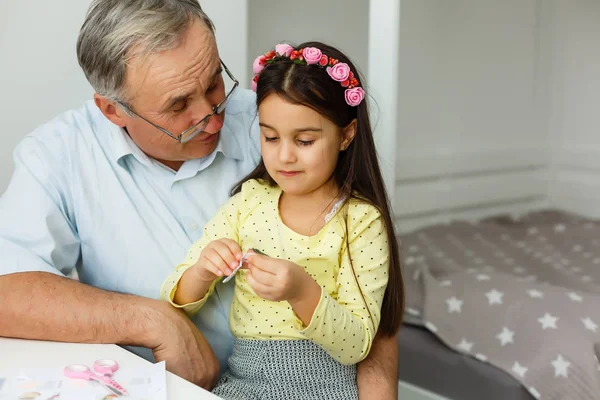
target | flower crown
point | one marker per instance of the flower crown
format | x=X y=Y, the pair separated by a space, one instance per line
x=339 y=72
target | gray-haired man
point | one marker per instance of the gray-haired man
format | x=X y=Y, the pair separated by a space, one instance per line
x=120 y=188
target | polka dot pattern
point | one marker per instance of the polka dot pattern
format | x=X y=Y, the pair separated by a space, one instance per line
x=345 y=320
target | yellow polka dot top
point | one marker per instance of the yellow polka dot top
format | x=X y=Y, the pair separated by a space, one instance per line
x=346 y=318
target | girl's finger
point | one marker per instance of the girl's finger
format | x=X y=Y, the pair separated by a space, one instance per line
x=212 y=268
x=225 y=252
x=216 y=259
x=234 y=248
x=265 y=264
x=261 y=276
x=260 y=289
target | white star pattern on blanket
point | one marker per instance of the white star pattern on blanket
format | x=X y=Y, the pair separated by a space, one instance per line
x=494 y=296
x=535 y=294
x=589 y=324
x=539 y=305
x=519 y=369
x=559 y=228
x=506 y=336
x=561 y=367
x=454 y=305
x=548 y=321
x=465 y=345
x=575 y=297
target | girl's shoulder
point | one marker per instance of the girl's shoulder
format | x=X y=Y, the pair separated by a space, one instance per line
x=256 y=192
x=358 y=208
x=363 y=220
x=255 y=187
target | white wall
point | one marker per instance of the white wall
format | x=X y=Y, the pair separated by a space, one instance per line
x=341 y=23
x=497 y=99
x=469 y=142
x=575 y=130
x=39 y=74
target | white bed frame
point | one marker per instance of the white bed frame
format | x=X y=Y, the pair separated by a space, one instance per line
x=407 y=391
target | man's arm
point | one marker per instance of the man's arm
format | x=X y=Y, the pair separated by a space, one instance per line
x=378 y=373
x=54 y=308
x=39 y=242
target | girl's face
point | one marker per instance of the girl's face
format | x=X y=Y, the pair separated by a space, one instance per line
x=299 y=146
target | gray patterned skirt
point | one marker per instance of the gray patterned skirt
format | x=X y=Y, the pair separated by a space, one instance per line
x=285 y=369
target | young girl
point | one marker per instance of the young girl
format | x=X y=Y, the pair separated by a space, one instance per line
x=312 y=227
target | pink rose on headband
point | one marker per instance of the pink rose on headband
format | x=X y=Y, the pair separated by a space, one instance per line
x=312 y=55
x=259 y=64
x=284 y=49
x=354 y=96
x=254 y=83
x=339 y=72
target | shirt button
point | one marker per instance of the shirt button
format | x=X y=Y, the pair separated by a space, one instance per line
x=194 y=227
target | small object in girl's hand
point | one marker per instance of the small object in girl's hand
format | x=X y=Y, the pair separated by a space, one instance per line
x=259 y=252
x=230 y=276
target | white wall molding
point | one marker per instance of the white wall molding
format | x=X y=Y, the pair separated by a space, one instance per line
x=468 y=191
x=383 y=78
x=427 y=164
x=448 y=184
x=576 y=183
x=578 y=158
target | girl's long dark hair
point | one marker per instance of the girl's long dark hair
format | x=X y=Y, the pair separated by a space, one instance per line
x=357 y=173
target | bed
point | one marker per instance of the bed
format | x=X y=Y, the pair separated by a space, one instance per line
x=503 y=308
x=428 y=363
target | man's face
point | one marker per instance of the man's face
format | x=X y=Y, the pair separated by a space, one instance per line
x=175 y=89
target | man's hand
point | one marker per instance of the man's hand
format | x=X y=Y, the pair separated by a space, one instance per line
x=50 y=307
x=178 y=342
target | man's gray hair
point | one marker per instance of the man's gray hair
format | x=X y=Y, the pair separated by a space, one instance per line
x=112 y=28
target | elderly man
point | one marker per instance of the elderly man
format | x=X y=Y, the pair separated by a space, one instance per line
x=120 y=188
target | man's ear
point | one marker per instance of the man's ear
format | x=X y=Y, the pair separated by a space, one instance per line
x=111 y=110
x=348 y=134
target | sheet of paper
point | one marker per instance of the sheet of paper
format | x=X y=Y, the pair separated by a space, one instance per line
x=149 y=383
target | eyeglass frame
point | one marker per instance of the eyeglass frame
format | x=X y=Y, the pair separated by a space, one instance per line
x=204 y=120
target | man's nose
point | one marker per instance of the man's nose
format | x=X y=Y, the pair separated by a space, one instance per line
x=215 y=121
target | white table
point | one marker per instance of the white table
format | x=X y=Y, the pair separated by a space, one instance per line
x=16 y=354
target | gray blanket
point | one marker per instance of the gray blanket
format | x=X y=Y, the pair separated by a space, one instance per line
x=522 y=295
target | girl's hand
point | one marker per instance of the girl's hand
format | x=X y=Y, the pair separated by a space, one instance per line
x=276 y=280
x=218 y=259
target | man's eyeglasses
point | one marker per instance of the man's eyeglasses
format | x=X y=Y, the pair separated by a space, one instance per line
x=192 y=131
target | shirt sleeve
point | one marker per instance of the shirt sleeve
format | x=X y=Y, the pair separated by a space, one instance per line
x=344 y=324
x=223 y=225
x=36 y=228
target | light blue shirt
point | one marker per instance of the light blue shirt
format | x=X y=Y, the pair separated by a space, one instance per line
x=84 y=196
